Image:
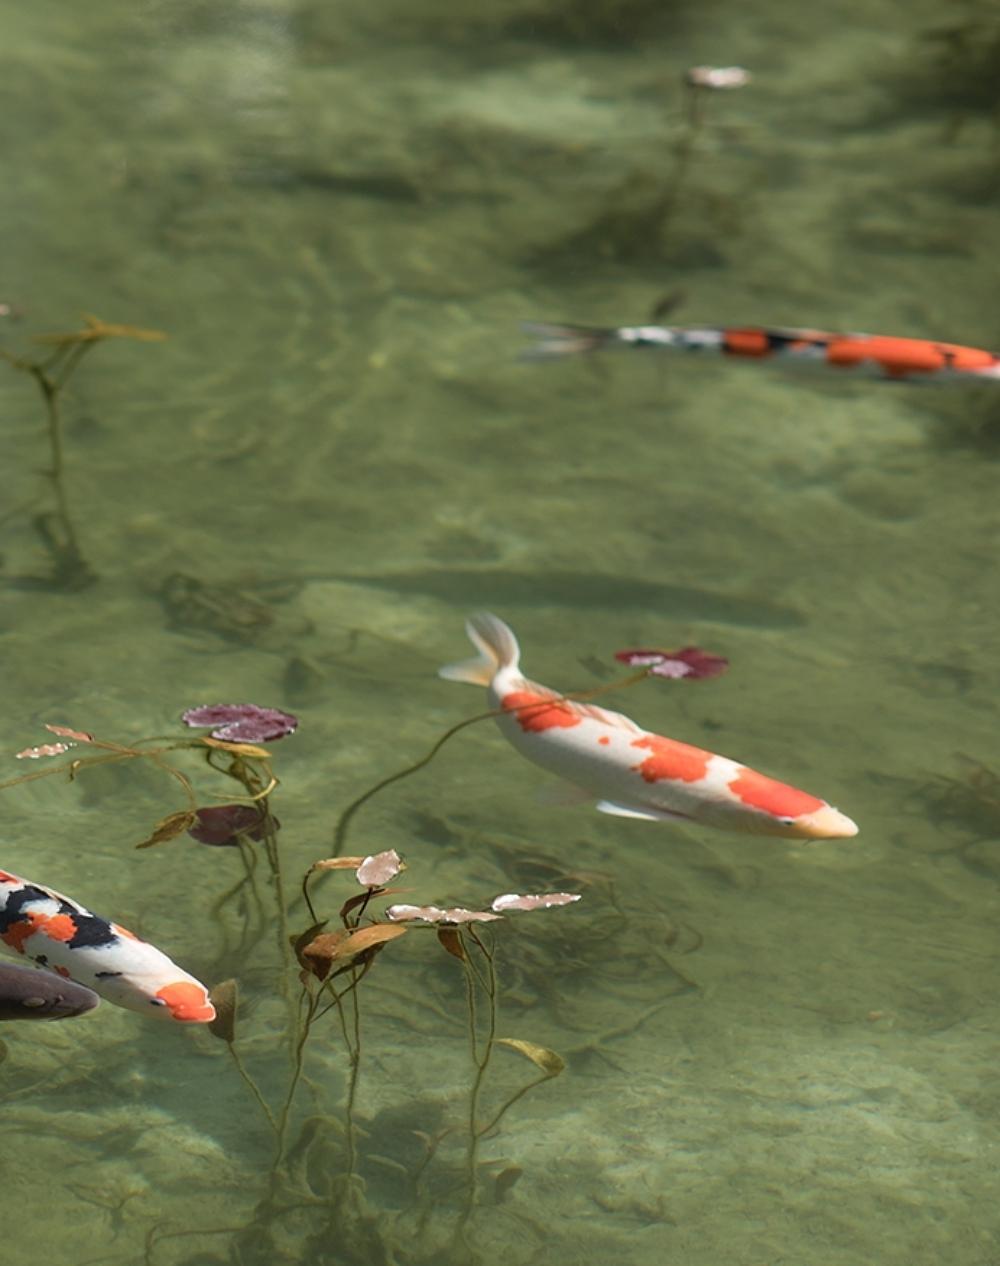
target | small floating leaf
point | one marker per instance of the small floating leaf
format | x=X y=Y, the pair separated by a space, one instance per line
x=43 y=749
x=337 y=863
x=689 y=661
x=548 y=1061
x=223 y=824
x=169 y=828
x=63 y=731
x=224 y=997
x=379 y=868
x=242 y=722
x=435 y=914
x=535 y=901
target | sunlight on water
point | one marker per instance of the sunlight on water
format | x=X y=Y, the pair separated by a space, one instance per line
x=339 y=215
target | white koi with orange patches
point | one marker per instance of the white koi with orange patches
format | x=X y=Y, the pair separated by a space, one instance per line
x=64 y=937
x=629 y=771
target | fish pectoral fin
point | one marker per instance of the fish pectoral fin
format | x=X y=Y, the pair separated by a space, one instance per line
x=561 y=795
x=635 y=811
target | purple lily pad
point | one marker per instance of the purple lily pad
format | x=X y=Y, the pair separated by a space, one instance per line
x=242 y=722
x=689 y=661
x=221 y=824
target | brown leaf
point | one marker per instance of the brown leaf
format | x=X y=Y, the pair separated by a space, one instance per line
x=548 y=1061
x=360 y=898
x=318 y=955
x=451 y=939
x=367 y=938
x=224 y=997
x=303 y=939
x=64 y=731
x=337 y=863
x=170 y=827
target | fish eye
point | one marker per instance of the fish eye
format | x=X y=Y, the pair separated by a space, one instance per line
x=787 y=821
x=156 y=1002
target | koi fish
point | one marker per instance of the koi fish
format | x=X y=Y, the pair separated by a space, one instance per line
x=69 y=940
x=632 y=772
x=876 y=355
x=31 y=993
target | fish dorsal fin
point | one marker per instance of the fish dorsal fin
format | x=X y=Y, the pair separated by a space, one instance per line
x=617 y=719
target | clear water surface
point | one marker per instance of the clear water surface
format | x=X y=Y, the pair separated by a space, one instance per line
x=340 y=213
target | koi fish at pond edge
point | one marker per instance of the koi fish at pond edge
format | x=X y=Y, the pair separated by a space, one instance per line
x=631 y=772
x=875 y=355
x=69 y=940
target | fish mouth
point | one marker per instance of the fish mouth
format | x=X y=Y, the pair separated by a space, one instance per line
x=827 y=823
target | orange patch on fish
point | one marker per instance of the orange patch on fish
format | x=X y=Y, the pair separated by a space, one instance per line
x=671 y=760
x=900 y=356
x=187 y=1002
x=604 y=740
x=61 y=927
x=746 y=343
x=536 y=713
x=131 y=936
x=777 y=798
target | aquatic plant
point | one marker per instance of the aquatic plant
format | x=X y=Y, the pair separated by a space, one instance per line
x=69 y=569
x=313 y=1204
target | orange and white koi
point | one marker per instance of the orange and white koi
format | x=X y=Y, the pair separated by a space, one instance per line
x=63 y=937
x=875 y=355
x=632 y=772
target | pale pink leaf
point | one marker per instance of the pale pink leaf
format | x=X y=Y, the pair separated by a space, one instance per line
x=65 y=732
x=435 y=914
x=45 y=749
x=378 y=868
x=535 y=901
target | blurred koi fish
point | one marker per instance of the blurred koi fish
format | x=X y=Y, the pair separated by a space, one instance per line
x=63 y=937
x=633 y=773
x=876 y=355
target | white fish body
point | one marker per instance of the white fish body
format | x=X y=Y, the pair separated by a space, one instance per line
x=64 y=937
x=626 y=769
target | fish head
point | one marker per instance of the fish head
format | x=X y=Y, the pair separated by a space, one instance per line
x=825 y=823
x=186 y=1001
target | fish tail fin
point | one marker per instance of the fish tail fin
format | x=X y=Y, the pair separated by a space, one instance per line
x=497 y=647
x=552 y=341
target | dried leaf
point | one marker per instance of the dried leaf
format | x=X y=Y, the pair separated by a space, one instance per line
x=224 y=997
x=337 y=863
x=451 y=939
x=318 y=955
x=303 y=939
x=43 y=749
x=689 y=661
x=505 y=1181
x=362 y=897
x=170 y=827
x=535 y=901
x=238 y=749
x=379 y=868
x=435 y=914
x=222 y=825
x=548 y=1061
x=367 y=938
x=63 y=731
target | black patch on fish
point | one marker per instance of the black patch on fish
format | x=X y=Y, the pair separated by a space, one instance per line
x=14 y=911
x=91 y=930
x=106 y=975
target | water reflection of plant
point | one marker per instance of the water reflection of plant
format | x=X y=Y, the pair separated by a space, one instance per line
x=69 y=569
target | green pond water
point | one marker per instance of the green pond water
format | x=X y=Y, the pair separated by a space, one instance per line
x=339 y=213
